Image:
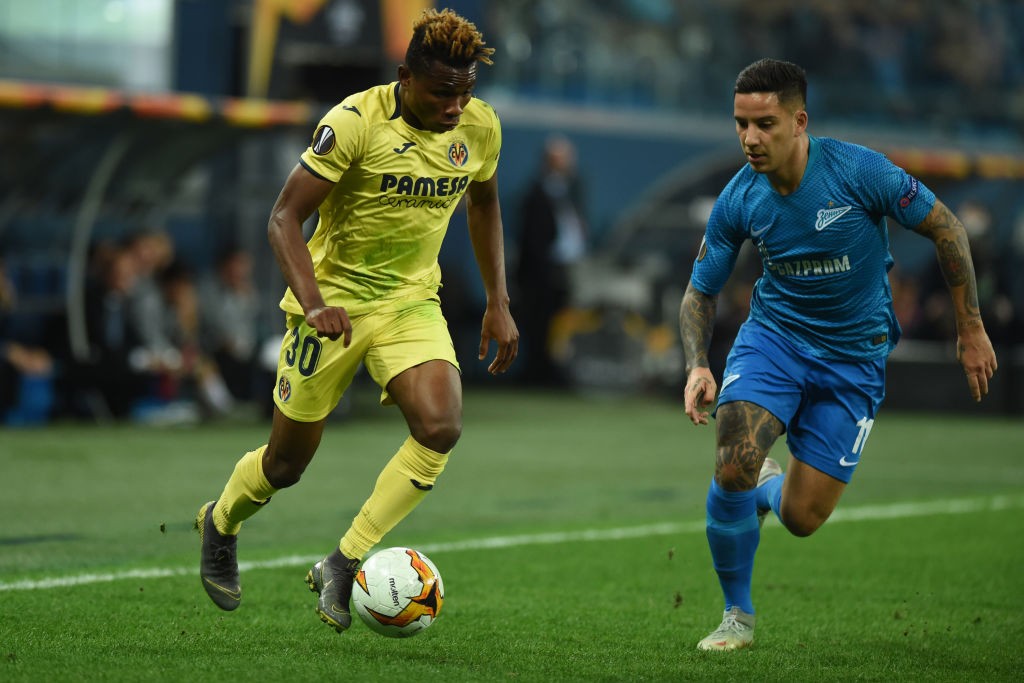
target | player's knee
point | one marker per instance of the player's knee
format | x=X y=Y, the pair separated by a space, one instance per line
x=731 y=477
x=439 y=435
x=735 y=467
x=800 y=528
x=282 y=472
x=802 y=523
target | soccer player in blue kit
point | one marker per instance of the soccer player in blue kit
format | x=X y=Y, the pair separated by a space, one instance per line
x=810 y=359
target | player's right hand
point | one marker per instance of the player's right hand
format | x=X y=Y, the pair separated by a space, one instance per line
x=699 y=394
x=978 y=358
x=499 y=326
x=331 y=322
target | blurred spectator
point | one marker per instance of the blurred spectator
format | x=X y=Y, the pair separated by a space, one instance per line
x=153 y=252
x=195 y=374
x=552 y=239
x=28 y=363
x=164 y=312
x=118 y=372
x=229 y=321
x=142 y=320
x=906 y=301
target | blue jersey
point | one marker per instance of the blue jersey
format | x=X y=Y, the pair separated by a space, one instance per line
x=824 y=248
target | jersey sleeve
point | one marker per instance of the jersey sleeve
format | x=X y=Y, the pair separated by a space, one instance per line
x=490 y=164
x=723 y=237
x=338 y=141
x=891 y=191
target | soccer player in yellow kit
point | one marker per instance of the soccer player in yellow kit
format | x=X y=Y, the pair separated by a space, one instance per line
x=386 y=169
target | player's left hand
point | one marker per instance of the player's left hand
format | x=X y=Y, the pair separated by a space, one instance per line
x=499 y=327
x=978 y=358
x=700 y=393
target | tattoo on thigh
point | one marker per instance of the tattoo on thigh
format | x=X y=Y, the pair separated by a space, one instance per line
x=746 y=433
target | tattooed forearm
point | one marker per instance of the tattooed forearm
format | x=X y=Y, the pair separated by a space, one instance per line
x=954 y=254
x=696 y=320
x=746 y=433
x=952 y=262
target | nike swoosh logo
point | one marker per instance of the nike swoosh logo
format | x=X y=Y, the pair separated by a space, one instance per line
x=401 y=150
x=827 y=217
x=846 y=463
x=347 y=107
x=729 y=380
x=234 y=595
x=759 y=231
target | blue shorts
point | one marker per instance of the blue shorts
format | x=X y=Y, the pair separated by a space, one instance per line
x=828 y=407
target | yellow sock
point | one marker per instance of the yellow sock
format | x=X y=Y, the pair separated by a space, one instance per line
x=402 y=484
x=245 y=493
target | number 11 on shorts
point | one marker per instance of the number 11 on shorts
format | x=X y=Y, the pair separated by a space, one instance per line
x=862 y=436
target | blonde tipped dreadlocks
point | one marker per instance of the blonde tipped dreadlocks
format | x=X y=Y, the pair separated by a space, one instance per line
x=448 y=38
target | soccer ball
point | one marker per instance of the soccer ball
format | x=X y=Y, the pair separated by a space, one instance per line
x=398 y=592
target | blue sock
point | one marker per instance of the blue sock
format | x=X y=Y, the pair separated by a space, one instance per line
x=733 y=534
x=770 y=495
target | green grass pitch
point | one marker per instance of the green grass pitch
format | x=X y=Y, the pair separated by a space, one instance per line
x=568 y=530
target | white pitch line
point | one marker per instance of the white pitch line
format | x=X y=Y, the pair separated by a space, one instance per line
x=957 y=506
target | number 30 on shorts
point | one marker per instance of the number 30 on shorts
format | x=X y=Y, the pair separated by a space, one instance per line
x=308 y=356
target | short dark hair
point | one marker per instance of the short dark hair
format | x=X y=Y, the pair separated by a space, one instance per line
x=785 y=79
x=445 y=37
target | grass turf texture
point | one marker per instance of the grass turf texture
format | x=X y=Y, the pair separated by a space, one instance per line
x=928 y=597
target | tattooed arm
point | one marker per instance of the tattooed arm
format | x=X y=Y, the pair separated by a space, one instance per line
x=696 y=320
x=973 y=347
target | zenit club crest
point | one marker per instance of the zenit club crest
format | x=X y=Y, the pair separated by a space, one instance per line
x=284 y=389
x=458 y=154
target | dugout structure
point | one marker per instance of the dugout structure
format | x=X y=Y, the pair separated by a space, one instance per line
x=85 y=164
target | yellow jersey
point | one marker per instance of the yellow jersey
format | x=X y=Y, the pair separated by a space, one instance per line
x=380 y=229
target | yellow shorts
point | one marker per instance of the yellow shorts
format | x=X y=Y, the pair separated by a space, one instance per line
x=313 y=372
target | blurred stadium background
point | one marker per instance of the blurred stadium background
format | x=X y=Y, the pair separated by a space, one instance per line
x=119 y=117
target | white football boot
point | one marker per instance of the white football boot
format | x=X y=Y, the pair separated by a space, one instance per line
x=735 y=632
